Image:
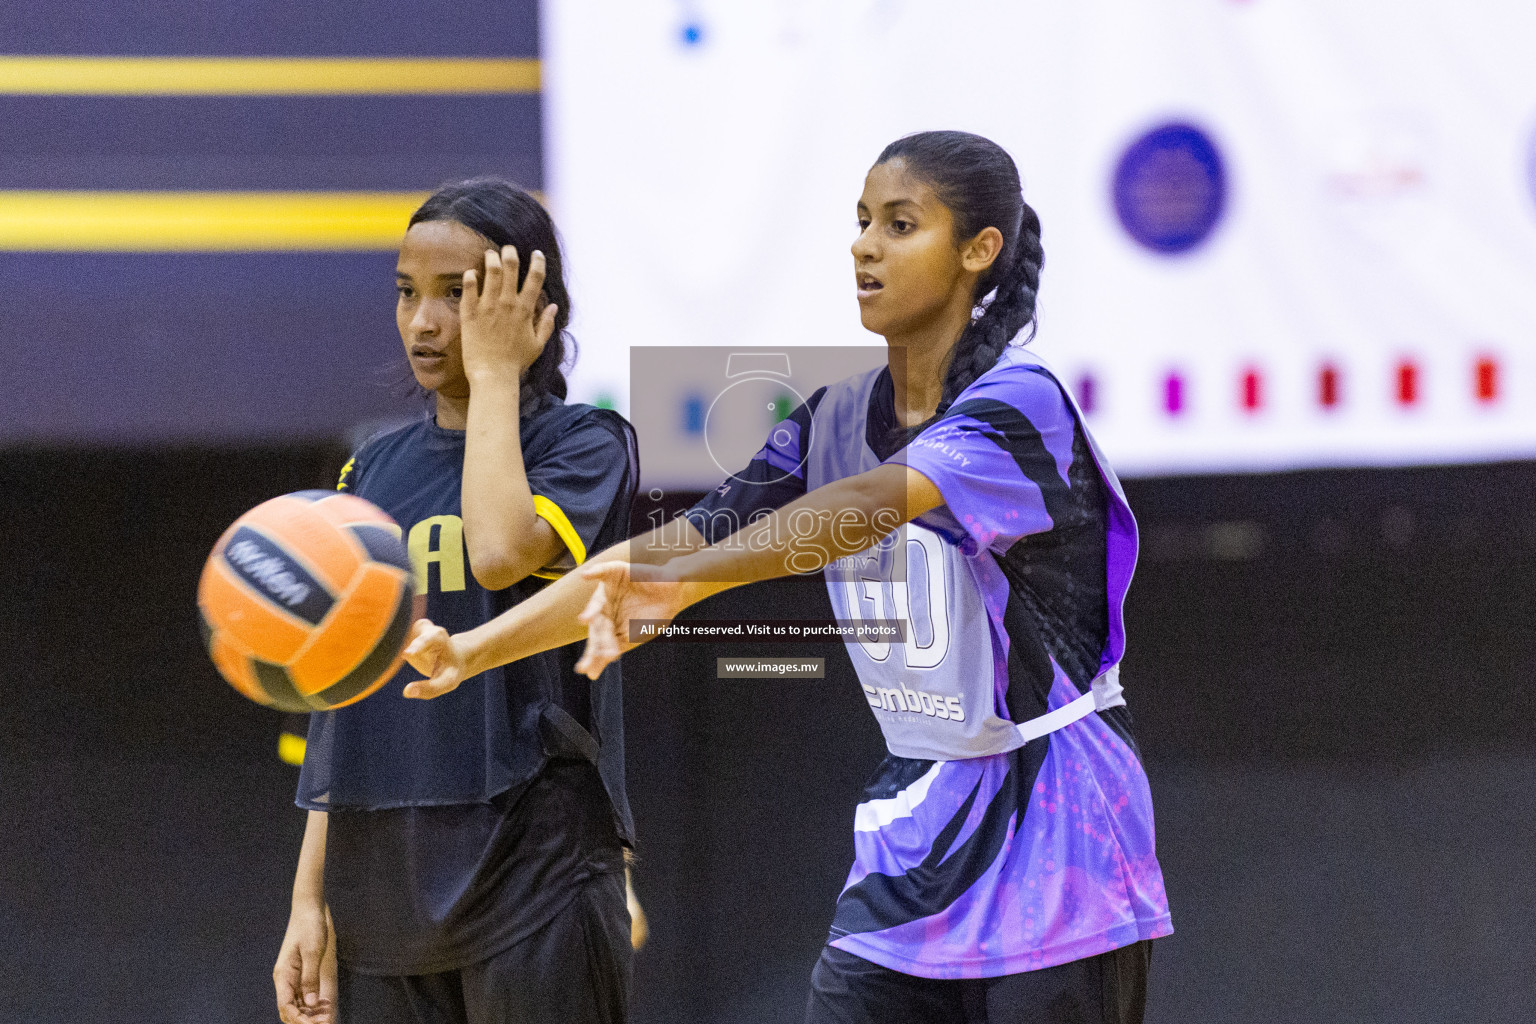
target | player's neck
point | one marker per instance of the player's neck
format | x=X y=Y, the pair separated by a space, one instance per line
x=452 y=413
x=918 y=358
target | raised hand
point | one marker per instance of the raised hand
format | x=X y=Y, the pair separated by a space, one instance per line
x=432 y=652
x=625 y=592
x=503 y=327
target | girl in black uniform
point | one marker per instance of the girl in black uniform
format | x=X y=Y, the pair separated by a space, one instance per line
x=464 y=858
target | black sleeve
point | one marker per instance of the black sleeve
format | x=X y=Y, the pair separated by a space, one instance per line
x=774 y=478
x=583 y=487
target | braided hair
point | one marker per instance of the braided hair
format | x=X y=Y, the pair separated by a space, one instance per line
x=977 y=180
x=504 y=214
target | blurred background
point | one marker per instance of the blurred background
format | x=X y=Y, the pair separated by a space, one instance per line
x=1291 y=275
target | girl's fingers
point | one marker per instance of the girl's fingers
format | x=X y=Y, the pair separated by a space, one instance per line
x=438 y=684
x=429 y=653
x=422 y=653
x=494 y=276
x=594 y=656
x=420 y=630
x=546 y=325
x=533 y=284
x=597 y=654
x=328 y=970
x=471 y=285
x=309 y=981
x=507 y=293
x=606 y=649
x=595 y=605
x=286 y=980
x=425 y=650
x=608 y=652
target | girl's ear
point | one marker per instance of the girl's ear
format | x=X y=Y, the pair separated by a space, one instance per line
x=982 y=251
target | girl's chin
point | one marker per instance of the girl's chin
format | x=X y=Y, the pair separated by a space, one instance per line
x=873 y=322
x=441 y=384
x=427 y=381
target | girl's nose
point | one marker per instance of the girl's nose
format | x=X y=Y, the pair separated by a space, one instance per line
x=862 y=248
x=424 y=322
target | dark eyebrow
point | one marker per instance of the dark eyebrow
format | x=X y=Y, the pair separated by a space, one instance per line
x=896 y=204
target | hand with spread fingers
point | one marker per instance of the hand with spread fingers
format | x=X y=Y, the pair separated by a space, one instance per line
x=504 y=327
x=626 y=592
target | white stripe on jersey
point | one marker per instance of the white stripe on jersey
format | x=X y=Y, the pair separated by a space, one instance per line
x=874 y=815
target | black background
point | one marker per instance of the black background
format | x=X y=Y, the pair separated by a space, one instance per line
x=1328 y=672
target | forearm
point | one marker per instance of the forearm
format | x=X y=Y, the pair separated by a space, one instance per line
x=309 y=879
x=548 y=619
x=498 y=509
x=838 y=519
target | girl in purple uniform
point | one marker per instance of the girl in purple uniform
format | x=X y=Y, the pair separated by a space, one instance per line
x=1005 y=866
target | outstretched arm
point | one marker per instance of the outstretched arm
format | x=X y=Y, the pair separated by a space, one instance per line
x=546 y=620
x=838 y=519
x=657 y=575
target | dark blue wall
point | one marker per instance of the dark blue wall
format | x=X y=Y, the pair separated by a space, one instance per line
x=288 y=28
x=134 y=348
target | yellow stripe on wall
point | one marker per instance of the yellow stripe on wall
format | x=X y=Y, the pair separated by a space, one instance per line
x=203 y=221
x=264 y=76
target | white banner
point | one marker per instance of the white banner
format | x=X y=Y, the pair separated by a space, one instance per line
x=1277 y=234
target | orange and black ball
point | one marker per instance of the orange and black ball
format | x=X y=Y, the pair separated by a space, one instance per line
x=306 y=601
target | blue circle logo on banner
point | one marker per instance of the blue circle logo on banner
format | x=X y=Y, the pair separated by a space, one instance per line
x=1170 y=188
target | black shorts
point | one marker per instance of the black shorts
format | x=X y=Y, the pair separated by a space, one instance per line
x=574 y=970
x=1110 y=988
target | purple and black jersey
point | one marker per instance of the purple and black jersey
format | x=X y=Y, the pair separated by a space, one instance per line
x=979 y=851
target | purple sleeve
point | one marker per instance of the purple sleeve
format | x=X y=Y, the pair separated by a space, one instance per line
x=1000 y=457
x=774 y=478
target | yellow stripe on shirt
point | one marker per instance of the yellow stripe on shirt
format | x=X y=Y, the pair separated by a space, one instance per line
x=555 y=516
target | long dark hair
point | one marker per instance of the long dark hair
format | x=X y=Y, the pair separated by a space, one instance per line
x=504 y=214
x=979 y=183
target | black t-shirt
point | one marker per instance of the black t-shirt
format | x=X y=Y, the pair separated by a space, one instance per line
x=418 y=890
x=456 y=827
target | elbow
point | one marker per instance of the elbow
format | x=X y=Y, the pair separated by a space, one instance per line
x=496 y=558
x=497 y=570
